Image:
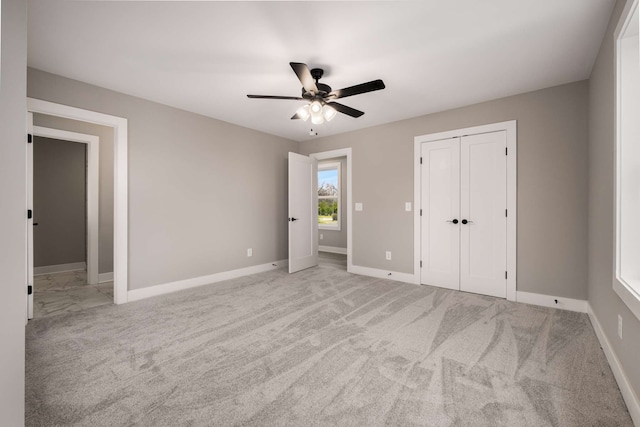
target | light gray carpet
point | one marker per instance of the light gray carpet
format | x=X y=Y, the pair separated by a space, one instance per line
x=319 y=348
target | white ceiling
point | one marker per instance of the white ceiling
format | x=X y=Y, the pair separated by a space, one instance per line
x=206 y=56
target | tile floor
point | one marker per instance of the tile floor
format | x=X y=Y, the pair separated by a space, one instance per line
x=68 y=292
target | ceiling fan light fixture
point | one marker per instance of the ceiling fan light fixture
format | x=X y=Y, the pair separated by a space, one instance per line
x=315 y=107
x=317 y=119
x=303 y=112
x=329 y=112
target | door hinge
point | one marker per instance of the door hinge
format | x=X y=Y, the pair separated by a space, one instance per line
x=420 y=264
x=505 y=212
x=29 y=290
x=420 y=212
x=506 y=153
x=29 y=214
x=505 y=274
x=420 y=160
x=29 y=138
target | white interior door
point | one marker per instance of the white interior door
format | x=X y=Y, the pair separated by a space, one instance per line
x=440 y=213
x=483 y=208
x=30 y=287
x=303 y=212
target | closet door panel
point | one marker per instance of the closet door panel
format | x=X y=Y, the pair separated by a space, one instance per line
x=483 y=200
x=440 y=236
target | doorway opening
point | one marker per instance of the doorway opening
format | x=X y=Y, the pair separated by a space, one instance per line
x=120 y=192
x=334 y=208
x=66 y=235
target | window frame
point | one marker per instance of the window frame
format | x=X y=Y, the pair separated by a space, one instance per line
x=329 y=166
x=628 y=289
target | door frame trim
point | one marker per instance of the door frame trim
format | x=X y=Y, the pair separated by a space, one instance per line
x=120 y=187
x=92 y=193
x=344 y=152
x=512 y=194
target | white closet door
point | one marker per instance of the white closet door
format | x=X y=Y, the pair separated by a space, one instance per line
x=440 y=209
x=483 y=204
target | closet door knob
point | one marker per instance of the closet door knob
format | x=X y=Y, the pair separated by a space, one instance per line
x=464 y=221
x=455 y=221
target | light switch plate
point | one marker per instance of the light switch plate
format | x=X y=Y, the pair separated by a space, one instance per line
x=407 y=206
x=358 y=206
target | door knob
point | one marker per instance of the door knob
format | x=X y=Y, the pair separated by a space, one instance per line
x=455 y=221
x=293 y=219
x=464 y=221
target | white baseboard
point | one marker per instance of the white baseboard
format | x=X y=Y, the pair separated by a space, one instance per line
x=105 y=277
x=550 y=301
x=383 y=274
x=151 y=291
x=332 y=249
x=628 y=394
x=59 y=268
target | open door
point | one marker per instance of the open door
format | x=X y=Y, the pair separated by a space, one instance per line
x=303 y=212
x=30 y=216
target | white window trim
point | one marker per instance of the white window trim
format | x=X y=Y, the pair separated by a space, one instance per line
x=325 y=166
x=627 y=290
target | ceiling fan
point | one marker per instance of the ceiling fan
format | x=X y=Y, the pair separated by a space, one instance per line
x=320 y=97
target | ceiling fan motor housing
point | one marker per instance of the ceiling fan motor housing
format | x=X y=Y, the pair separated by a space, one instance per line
x=323 y=89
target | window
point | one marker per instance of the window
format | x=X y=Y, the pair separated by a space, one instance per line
x=627 y=282
x=329 y=196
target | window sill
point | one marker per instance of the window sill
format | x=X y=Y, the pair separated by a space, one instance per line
x=628 y=295
x=328 y=228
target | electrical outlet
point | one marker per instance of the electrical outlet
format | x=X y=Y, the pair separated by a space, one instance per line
x=358 y=206
x=321 y=236
x=388 y=256
x=619 y=326
x=249 y=252
x=407 y=206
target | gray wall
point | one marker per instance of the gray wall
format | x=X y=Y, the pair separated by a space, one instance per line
x=13 y=224
x=333 y=238
x=201 y=191
x=105 y=202
x=604 y=302
x=552 y=185
x=59 y=202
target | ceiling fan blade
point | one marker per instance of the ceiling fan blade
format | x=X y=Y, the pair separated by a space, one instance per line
x=295 y=116
x=304 y=75
x=295 y=98
x=346 y=110
x=357 y=89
